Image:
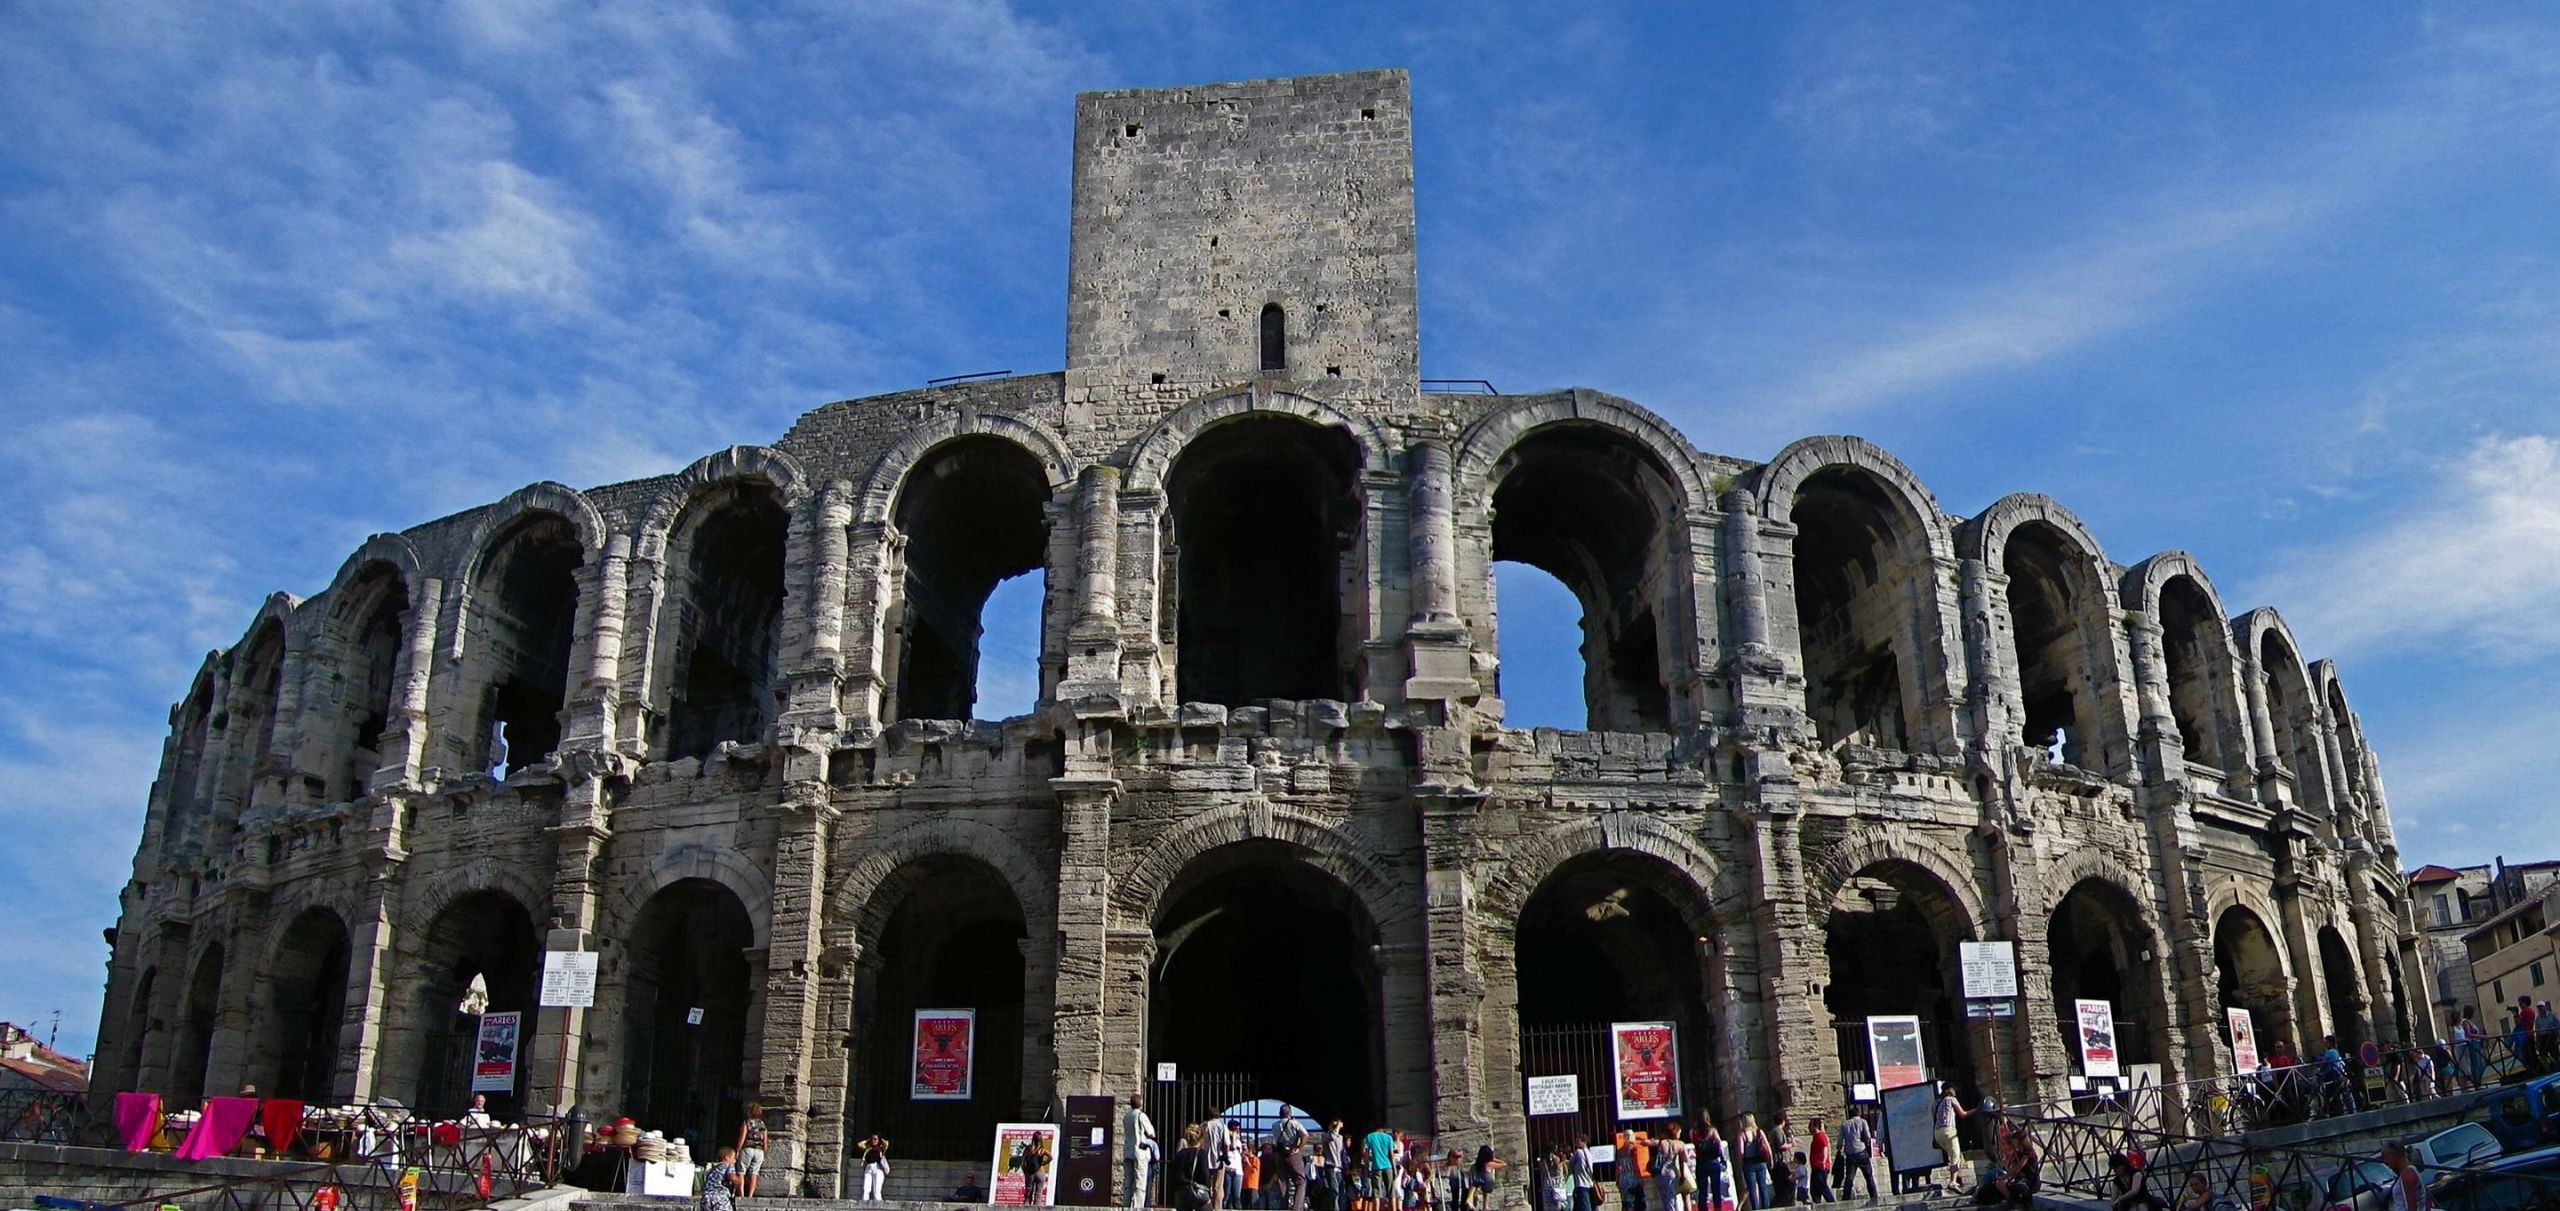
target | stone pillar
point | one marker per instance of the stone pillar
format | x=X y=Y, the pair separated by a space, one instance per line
x=828 y=573
x=2309 y=992
x=1801 y=1065
x=603 y=603
x=870 y=565
x=2035 y=1061
x=2372 y=931
x=1462 y=1113
x=1098 y=548
x=1079 y=1020
x=2262 y=731
x=558 y=1055
x=830 y=1062
x=2158 y=748
x=404 y=742
x=1439 y=666
x=370 y=941
x=792 y=966
x=1742 y=587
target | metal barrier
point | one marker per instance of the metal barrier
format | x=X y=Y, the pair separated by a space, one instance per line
x=2308 y=1091
x=47 y=1116
x=2076 y=1159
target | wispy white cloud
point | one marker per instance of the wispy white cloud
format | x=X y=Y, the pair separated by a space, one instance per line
x=2472 y=561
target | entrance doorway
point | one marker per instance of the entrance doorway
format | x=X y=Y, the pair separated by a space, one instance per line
x=953 y=940
x=1892 y=941
x=1611 y=937
x=688 y=994
x=1266 y=970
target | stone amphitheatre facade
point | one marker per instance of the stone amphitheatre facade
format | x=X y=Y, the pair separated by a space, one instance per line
x=1266 y=822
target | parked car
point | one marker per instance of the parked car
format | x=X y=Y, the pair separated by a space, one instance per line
x=2361 y=1186
x=2460 y=1146
x=2522 y=1116
x=2523 y=1181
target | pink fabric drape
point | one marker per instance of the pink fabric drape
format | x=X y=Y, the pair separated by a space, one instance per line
x=137 y=1120
x=219 y=1128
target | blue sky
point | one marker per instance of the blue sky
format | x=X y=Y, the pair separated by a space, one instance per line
x=2274 y=283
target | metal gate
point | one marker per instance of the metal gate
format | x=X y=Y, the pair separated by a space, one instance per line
x=1583 y=1050
x=1197 y=1097
x=1856 y=1068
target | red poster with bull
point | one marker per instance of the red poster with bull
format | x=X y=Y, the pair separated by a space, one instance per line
x=945 y=1055
x=1648 y=1063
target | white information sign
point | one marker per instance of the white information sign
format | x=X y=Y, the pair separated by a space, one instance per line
x=1555 y=1094
x=568 y=979
x=1166 y=1071
x=1990 y=968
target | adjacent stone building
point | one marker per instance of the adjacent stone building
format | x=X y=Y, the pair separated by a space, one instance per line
x=1266 y=823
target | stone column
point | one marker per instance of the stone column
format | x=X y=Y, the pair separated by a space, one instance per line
x=2159 y=748
x=603 y=603
x=793 y=957
x=2262 y=732
x=2372 y=929
x=1432 y=535
x=1078 y=1018
x=1801 y=1068
x=828 y=575
x=404 y=743
x=870 y=560
x=830 y=1062
x=370 y=941
x=1098 y=548
x=1463 y=1110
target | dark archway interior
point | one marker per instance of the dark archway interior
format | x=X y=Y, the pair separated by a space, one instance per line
x=728 y=619
x=530 y=593
x=250 y=731
x=2096 y=946
x=1267 y=968
x=375 y=660
x=688 y=951
x=186 y=799
x=953 y=941
x=1585 y=505
x=2249 y=972
x=1850 y=624
x=2191 y=632
x=975 y=513
x=1263 y=509
x=2289 y=709
x=2053 y=660
x=1611 y=937
x=195 y=1030
x=137 y=1025
x=1892 y=941
x=2346 y=994
x=487 y=938
x=307 y=1003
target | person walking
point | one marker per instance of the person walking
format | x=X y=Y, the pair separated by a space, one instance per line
x=1289 y=1147
x=1818 y=1159
x=1586 y=1196
x=1756 y=1154
x=1857 y=1155
x=1707 y=1178
x=875 y=1167
x=750 y=1145
x=1947 y=1112
x=1137 y=1151
x=1669 y=1170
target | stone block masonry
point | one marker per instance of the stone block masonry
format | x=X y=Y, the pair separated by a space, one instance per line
x=1266 y=829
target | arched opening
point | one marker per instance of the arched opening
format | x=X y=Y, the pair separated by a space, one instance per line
x=306 y=992
x=1537 y=623
x=2345 y=994
x=195 y=1029
x=2057 y=677
x=1009 y=672
x=952 y=939
x=1891 y=939
x=688 y=953
x=1249 y=934
x=2098 y=949
x=1587 y=505
x=373 y=658
x=2289 y=710
x=1612 y=937
x=975 y=514
x=527 y=591
x=2354 y=800
x=479 y=956
x=725 y=617
x=250 y=730
x=2249 y=970
x=1851 y=619
x=137 y=1026
x=2192 y=638
x=1263 y=516
x=185 y=789
x=1275 y=338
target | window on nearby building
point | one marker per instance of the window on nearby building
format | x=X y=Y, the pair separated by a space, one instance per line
x=2463 y=898
x=2444 y=914
x=1275 y=338
x=2498 y=991
x=2537 y=973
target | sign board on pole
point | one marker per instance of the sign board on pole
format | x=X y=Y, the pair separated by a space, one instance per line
x=2097 y=1039
x=1166 y=1071
x=1555 y=1094
x=1990 y=968
x=493 y=1060
x=946 y=1059
x=568 y=979
x=1893 y=1046
x=2244 y=1041
x=1647 y=1058
x=1024 y=1172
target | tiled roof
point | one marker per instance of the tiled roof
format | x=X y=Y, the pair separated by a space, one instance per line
x=2432 y=873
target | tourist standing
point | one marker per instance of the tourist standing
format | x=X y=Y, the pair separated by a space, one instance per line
x=1380 y=1145
x=1586 y=1196
x=2475 y=1060
x=1137 y=1150
x=750 y=1147
x=1756 y=1154
x=1337 y=1159
x=1857 y=1154
x=1226 y=1168
x=720 y=1182
x=2408 y=1190
x=1189 y=1183
x=1669 y=1155
x=875 y=1167
x=1818 y=1159
x=1949 y=1110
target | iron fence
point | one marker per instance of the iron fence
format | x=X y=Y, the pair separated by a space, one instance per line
x=2308 y=1091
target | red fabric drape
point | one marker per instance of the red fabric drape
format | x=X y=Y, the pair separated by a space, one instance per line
x=282 y=1120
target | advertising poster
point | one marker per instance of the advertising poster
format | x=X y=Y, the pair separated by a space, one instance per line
x=2244 y=1041
x=1648 y=1062
x=1024 y=1172
x=493 y=1060
x=2098 y=1039
x=946 y=1055
x=1893 y=1045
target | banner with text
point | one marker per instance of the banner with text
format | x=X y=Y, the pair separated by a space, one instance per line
x=493 y=1060
x=2244 y=1041
x=1648 y=1063
x=1893 y=1046
x=945 y=1055
x=2098 y=1039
